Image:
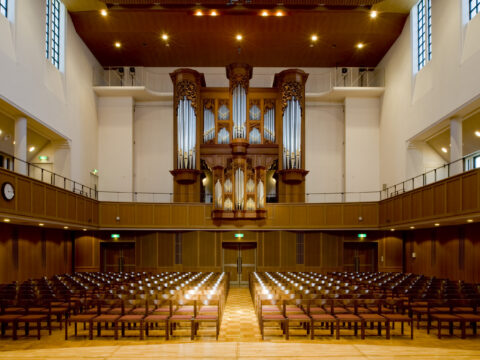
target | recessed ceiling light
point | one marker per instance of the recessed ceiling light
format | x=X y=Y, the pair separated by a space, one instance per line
x=264 y=13
x=213 y=13
x=412 y=227
x=84 y=229
x=360 y=45
x=65 y=227
x=279 y=13
x=14 y=142
x=118 y=44
x=0 y=132
x=103 y=12
x=373 y=14
x=314 y=37
x=32 y=148
x=470 y=220
x=392 y=229
x=437 y=224
x=198 y=12
x=6 y=220
x=165 y=37
x=239 y=37
x=477 y=133
x=41 y=224
x=444 y=149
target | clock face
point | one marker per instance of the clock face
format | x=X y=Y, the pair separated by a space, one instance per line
x=8 y=191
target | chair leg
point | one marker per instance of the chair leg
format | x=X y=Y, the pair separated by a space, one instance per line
x=337 y=325
x=287 y=335
x=192 y=329
x=141 y=329
x=15 y=325
x=39 y=326
x=66 y=329
x=439 y=329
x=167 y=325
x=387 y=325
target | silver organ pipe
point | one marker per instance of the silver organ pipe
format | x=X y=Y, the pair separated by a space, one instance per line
x=239 y=112
x=208 y=125
x=239 y=189
x=223 y=136
x=218 y=194
x=292 y=126
x=186 y=123
x=260 y=195
x=269 y=125
x=254 y=136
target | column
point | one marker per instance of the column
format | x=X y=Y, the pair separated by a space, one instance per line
x=20 y=148
x=456 y=146
x=61 y=160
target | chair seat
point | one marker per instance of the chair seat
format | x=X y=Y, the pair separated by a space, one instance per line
x=317 y=310
x=348 y=317
x=340 y=310
x=273 y=317
x=32 y=318
x=154 y=318
x=440 y=309
x=105 y=317
x=462 y=309
x=131 y=318
x=15 y=310
x=164 y=309
x=9 y=317
x=372 y=317
x=139 y=310
x=446 y=317
x=323 y=317
x=206 y=317
x=181 y=317
x=81 y=318
x=266 y=308
x=397 y=317
x=470 y=317
x=298 y=317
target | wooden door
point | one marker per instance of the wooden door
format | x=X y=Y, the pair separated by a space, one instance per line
x=239 y=259
x=117 y=257
x=360 y=256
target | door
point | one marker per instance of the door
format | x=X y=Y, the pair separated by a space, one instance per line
x=239 y=259
x=118 y=257
x=360 y=256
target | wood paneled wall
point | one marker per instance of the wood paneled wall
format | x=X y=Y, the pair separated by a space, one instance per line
x=28 y=252
x=202 y=250
x=449 y=198
x=451 y=252
x=279 y=216
x=41 y=201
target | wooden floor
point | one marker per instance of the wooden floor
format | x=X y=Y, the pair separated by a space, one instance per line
x=240 y=339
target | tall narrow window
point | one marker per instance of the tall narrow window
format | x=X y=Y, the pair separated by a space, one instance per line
x=53 y=31
x=4 y=7
x=474 y=8
x=424 y=32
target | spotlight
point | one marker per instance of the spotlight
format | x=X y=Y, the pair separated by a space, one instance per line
x=103 y=12
x=118 y=44
x=165 y=37
x=239 y=37
x=373 y=14
x=314 y=37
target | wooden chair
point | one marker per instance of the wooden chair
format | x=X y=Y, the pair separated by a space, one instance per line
x=267 y=313
x=400 y=317
x=130 y=318
x=103 y=316
x=320 y=312
x=297 y=311
x=346 y=317
x=207 y=310
x=6 y=319
x=184 y=311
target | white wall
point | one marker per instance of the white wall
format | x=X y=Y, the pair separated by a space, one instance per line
x=412 y=103
x=153 y=150
x=115 y=146
x=62 y=101
x=362 y=165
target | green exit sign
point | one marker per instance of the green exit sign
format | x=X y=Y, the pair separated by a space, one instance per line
x=239 y=236
x=362 y=236
x=115 y=236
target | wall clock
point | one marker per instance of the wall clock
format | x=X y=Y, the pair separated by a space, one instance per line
x=8 y=191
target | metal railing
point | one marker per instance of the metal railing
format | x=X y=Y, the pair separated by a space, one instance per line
x=318 y=82
x=36 y=172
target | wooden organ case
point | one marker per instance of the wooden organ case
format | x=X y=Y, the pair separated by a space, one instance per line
x=231 y=144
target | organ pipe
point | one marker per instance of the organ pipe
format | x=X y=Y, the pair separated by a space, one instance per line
x=208 y=125
x=269 y=125
x=292 y=130
x=239 y=112
x=186 y=130
x=239 y=189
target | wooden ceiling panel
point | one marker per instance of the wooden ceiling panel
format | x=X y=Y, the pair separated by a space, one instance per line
x=210 y=41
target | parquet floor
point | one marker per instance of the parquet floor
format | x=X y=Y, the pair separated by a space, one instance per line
x=240 y=339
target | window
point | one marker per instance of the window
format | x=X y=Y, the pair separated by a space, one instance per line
x=476 y=161
x=53 y=31
x=424 y=32
x=4 y=7
x=474 y=8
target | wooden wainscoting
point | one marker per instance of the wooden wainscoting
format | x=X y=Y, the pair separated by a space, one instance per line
x=37 y=200
x=29 y=252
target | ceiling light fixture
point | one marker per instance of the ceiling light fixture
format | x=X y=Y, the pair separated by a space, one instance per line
x=360 y=45
x=32 y=148
x=264 y=13
x=165 y=37
x=41 y=224
x=470 y=220
x=239 y=37
x=477 y=133
x=279 y=13
x=437 y=224
x=412 y=227
x=444 y=149
x=392 y=229
x=65 y=227
x=118 y=44
x=373 y=14
x=314 y=37
x=213 y=13
x=103 y=12
x=198 y=12
x=84 y=229
x=6 y=220
x=0 y=132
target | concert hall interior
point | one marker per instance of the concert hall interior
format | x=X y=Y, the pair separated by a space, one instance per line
x=239 y=179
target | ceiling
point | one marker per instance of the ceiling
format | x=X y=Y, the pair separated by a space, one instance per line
x=267 y=41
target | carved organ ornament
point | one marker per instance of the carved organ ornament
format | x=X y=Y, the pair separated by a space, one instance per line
x=234 y=131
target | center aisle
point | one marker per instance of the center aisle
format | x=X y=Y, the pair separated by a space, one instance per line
x=239 y=320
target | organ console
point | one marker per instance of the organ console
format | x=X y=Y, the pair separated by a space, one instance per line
x=236 y=136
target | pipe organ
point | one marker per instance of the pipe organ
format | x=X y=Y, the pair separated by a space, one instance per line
x=236 y=135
